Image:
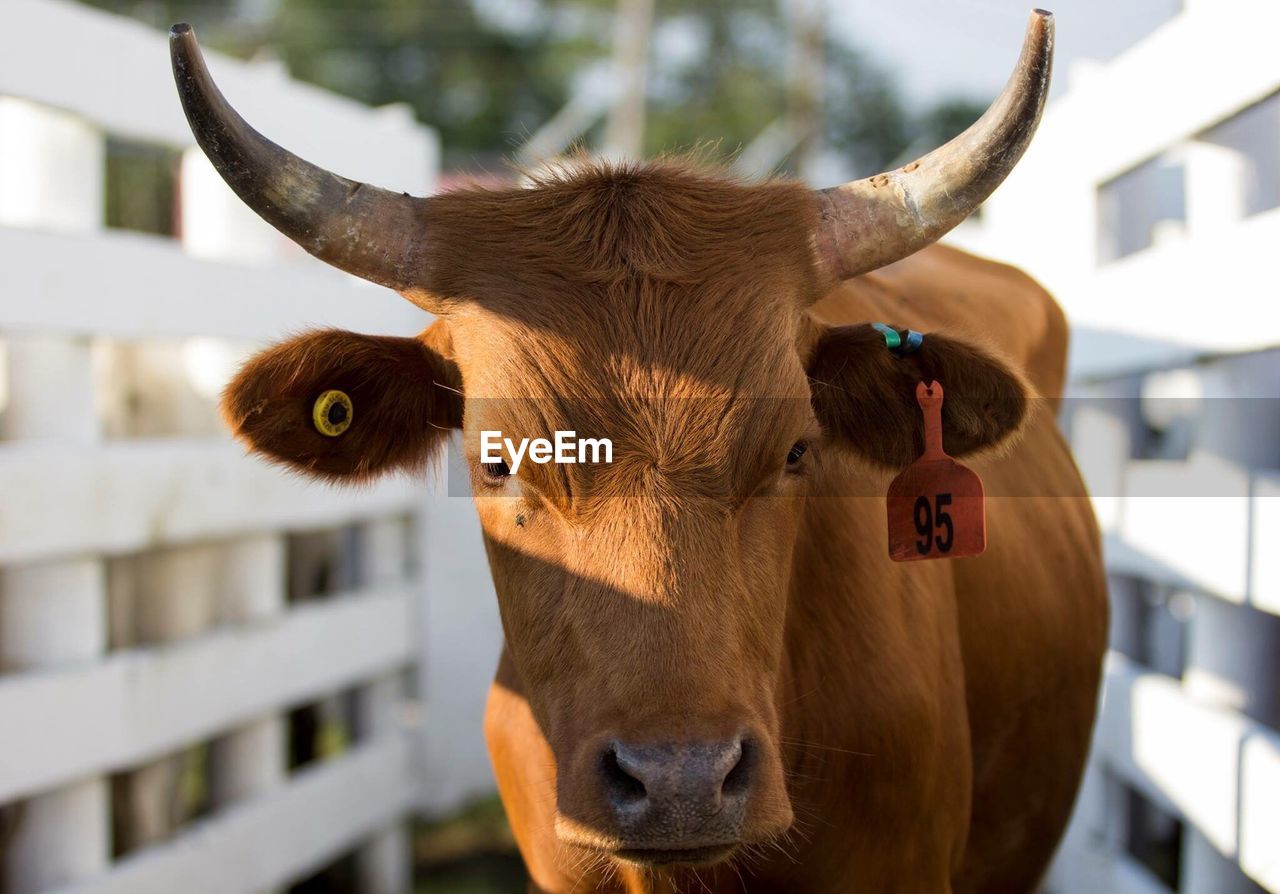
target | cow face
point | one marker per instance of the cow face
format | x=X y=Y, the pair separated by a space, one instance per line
x=644 y=600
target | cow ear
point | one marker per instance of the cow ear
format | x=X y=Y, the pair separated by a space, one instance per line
x=864 y=394
x=345 y=407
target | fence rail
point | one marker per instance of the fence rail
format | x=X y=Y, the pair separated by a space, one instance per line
x=227 y=854
x=1217 y=543
x=141 y=703
x=65 y=500
x=147 y=286
x=113 y=74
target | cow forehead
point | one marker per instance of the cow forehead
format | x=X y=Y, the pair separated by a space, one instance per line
x=657 y=306
x=577 y=235
x=691 y=397
x=703 y=342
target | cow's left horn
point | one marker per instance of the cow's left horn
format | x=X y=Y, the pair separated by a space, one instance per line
x=373 y=233
x=869 y=223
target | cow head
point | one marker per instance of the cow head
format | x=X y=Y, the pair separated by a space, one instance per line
x=664 y=308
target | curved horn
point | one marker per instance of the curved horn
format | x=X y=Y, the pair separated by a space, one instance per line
x=375 y=234
x=869 y=223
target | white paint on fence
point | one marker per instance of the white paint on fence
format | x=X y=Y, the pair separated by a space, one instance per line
x=146 y=626
x=1187 y=499
x=133 y=495
x=144 y=286
x=143 y=702
x=262 y=843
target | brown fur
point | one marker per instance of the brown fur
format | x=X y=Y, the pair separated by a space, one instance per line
x=924 y=726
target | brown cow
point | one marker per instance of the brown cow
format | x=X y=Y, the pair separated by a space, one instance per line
x=714 y=678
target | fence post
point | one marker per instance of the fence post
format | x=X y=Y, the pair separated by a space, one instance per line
x=250 y=761
x=175 y=599
x=383 y=860
x=53 y=614
x=51 y=168
x=1206 y=871
x=214 y=222
x=1215 y=177
x=1229 y=663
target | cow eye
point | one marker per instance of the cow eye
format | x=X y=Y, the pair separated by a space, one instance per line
x=796 y=453
x=496 y=472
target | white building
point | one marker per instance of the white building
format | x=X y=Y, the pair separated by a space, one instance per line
x=1150 y=205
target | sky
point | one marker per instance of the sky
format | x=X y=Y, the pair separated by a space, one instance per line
x=942 y=48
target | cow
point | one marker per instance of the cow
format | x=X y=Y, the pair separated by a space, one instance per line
x=714 y=678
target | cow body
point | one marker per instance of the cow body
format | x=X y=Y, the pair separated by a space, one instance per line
x=935 y=717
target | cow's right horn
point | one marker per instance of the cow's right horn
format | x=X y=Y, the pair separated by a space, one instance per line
x=869 y=223
x=376 y=234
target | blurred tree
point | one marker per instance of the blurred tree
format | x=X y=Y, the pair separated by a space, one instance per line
x=232 y=27
x=484 y=86
x=865 y=117
x=487 y=73
x=946 y=119
x=721 y=76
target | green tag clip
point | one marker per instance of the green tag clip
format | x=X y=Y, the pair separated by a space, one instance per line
x=896 y=343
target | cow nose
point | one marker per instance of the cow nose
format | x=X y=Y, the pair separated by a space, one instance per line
x=671 y=791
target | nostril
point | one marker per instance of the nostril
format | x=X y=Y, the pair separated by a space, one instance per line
x=738 y=780
x=623 y=788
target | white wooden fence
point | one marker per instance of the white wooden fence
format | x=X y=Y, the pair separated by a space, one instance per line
x=1178 y=434
x=1187 y=756
x=165 y=601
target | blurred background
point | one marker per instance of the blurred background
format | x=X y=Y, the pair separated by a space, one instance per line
x=216 y=677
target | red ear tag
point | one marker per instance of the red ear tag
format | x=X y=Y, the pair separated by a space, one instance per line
x=936 y=505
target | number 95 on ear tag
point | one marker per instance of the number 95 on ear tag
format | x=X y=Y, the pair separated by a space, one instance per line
x=936 y=505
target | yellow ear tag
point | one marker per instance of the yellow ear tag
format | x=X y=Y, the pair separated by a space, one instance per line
x=332 y=413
